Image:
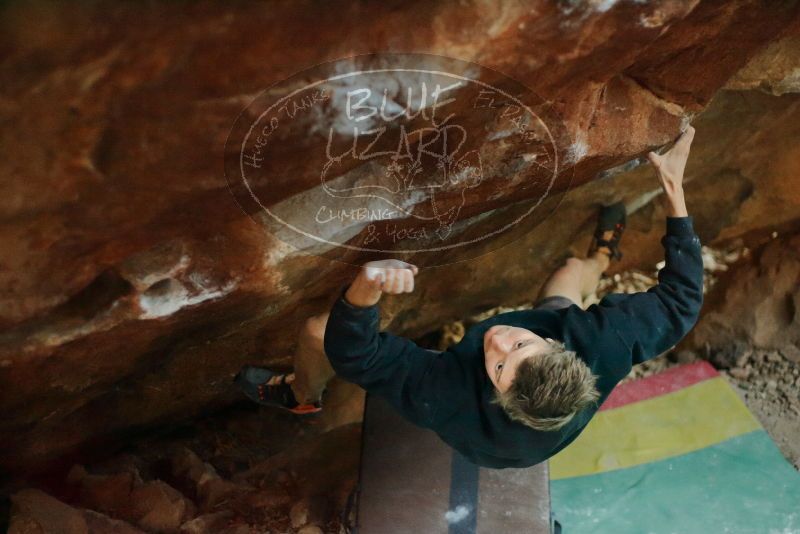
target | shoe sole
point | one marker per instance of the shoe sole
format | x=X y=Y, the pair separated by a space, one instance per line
x=301 y=409
x=616 y=212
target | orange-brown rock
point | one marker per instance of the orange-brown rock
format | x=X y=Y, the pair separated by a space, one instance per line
x=35 y=512
x=109 y=494
x=158 y=507
x=207 y=523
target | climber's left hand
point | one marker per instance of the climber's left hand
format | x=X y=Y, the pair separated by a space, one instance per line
x=378 y=277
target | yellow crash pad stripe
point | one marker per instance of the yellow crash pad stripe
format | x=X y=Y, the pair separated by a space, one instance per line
x=654 y=429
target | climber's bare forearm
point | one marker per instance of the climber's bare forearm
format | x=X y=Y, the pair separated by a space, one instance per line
x=676 y=203
x=362 y=295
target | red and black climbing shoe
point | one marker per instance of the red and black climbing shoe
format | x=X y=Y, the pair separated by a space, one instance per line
x=269 y=388
x=610 y=226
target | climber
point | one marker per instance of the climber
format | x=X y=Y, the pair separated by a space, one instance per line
x=520 y=386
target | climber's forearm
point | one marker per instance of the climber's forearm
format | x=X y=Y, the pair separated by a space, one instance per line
x=362 y=293
x=676 y=203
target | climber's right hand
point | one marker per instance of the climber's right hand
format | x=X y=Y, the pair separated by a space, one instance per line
x=670 y=166
x=378 y=277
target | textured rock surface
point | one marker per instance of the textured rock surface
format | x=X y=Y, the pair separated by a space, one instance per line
x=132 y=286
x=757 y=303
x=310 y=485
x=35 y=512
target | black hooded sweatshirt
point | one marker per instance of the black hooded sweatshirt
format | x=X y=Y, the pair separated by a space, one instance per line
x=450 y=392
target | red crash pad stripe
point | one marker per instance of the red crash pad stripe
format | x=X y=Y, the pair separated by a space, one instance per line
x=662 y=383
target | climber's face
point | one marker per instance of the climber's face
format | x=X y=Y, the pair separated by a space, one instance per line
x=504 y=347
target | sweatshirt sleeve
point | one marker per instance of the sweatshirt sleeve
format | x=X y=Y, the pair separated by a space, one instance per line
x=650 y=322
x=383 y=364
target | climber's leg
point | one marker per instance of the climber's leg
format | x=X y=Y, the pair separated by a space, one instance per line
x=565 y=282
x=576 y=279
x=300 y=392
x=592 y=269
x=312 y=370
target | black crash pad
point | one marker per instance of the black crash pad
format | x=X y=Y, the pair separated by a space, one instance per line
x=413 y=482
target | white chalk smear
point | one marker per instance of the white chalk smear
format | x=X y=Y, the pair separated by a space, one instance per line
x=174 y=296
x=454 y=516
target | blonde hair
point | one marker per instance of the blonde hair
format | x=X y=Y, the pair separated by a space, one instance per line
x=548 y=389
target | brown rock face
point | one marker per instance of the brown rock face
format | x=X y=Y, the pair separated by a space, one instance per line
x=757 y=301
x=132 y=285
x=35 y=512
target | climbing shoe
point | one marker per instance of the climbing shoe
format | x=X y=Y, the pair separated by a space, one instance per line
x=611 y=219
x=269 y=388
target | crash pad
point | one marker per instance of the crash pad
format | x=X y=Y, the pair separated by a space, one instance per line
x=677 y=451
x=410 y=481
